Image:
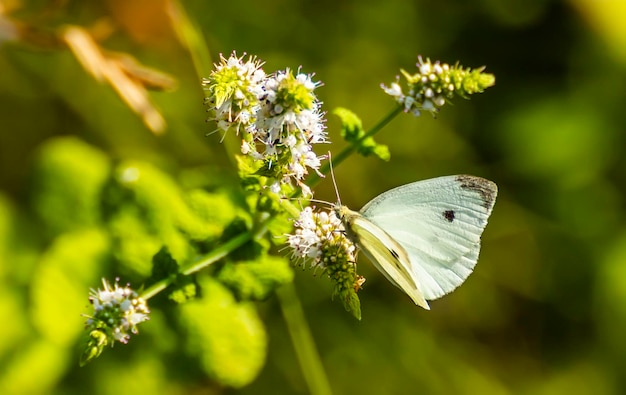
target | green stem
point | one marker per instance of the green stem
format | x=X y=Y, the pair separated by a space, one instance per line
x=303 y=343
x=190 y=36
x=343 y=155
x=212 y=257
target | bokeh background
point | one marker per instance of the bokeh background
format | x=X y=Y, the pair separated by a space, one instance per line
x=544 y=311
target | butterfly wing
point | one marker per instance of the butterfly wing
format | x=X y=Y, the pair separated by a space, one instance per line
x=384 y=252
x=438 y=222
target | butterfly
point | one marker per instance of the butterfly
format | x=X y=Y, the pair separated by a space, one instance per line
x=424 y=236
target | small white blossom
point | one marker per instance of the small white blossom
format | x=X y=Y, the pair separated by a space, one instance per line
x=245 y=147
x=275 y=187
x=117 y=311
x=394 y=90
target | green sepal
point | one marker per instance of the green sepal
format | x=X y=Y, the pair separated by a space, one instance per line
x=346 y=292
x=94 y=344
x=352 y=131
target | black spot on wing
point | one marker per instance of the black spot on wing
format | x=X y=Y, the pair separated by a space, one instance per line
x=396 y=261
x=394 y=253
x=449 y=215
x=485 y=188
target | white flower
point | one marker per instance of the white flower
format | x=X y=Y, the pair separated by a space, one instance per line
x=117 y=311
x=275 y=188
x=245 y=147
x=394 y=90
x=291 y=141
x=297 y=170
x=312 y=160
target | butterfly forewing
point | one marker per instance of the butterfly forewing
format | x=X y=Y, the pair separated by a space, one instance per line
x=389 y=257
x=438 y=222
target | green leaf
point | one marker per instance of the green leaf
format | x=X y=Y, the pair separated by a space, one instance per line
x=212 y=212
x=163 y=265
x=68 y=179
x=352 y=303
x=252 y=249
x=228 y=337
x=183 y=288
x=146 y=210
x=256 y=280
x=58 y=293
x=352 y=131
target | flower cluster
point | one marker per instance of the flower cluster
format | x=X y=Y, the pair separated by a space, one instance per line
x=315 y=234
x=117 y=312
x=233 y=89
x=277 y=115
x=436 y=83
x=320 y=240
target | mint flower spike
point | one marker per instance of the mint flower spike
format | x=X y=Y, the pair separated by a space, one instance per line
x=319 y=240
x=288 y=123
x=279 y=116
x=437 y=83
x=232 y=91
x=117 y=312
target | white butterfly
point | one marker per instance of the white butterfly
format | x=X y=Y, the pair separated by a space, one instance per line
x=424 y=236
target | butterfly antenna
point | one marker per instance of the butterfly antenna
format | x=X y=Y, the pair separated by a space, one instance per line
x=321 y=202
x=332 y=175
x=299 y=200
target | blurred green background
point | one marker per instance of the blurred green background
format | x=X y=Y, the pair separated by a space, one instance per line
x=544 y=311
